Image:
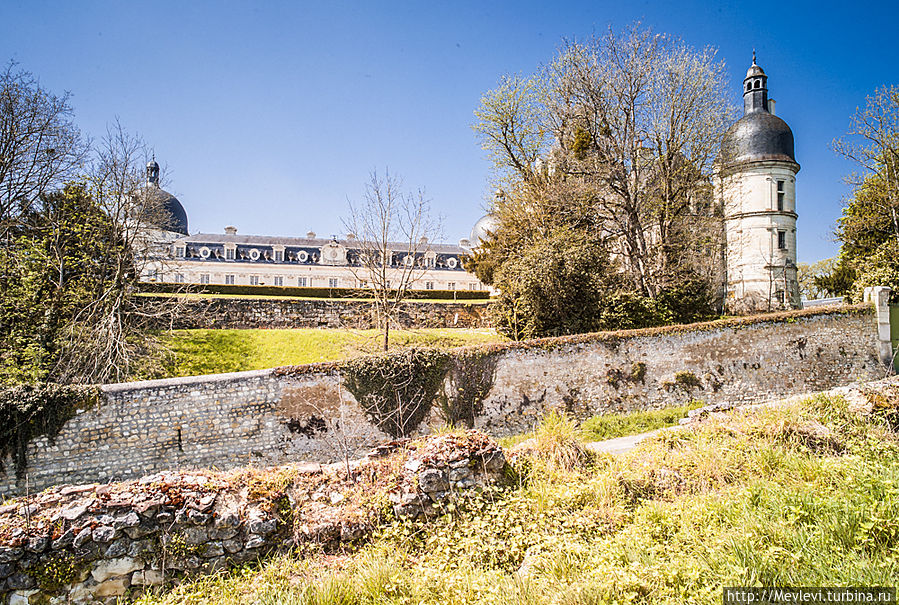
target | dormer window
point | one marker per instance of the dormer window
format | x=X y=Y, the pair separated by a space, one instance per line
x=229 y=253
x=279 y=256
x=179 y=251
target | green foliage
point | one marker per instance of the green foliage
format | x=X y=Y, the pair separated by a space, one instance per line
x=558 y=443
x=838 y=280
x=41 y=410
x=610 y=426
x=292 y=291
x=396 y=390
x=687 y=302
x=60 y=568
x=554 y=287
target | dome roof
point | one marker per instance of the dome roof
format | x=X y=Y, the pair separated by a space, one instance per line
x=485 y=225
x=174 y=218
x=757 y=136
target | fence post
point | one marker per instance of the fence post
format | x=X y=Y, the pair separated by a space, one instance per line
x=879 y=296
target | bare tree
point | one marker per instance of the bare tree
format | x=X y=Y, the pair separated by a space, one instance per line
x=40 y=146
x=114 y=331
x=637 y=120
x=394 y=230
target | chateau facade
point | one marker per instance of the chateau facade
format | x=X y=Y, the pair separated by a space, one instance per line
x=311 y=262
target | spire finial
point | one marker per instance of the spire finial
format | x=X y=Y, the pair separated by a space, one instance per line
x=753 y=56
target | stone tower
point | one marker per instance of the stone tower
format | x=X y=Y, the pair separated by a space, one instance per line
x=757 y=172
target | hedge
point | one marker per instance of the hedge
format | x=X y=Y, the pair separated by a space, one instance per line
x=307 y=292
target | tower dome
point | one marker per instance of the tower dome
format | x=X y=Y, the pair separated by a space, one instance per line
x=759 y=135
x=173 y=217
x=482 y=229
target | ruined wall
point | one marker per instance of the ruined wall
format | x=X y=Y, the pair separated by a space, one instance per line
x=249 y=313
x=304 y=413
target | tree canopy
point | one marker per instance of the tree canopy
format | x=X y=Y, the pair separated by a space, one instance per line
x=609 y=146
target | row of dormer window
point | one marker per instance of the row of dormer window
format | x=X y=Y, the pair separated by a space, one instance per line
x=305 y=256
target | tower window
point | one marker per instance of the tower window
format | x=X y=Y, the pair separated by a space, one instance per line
x=781 y=240
x=780 y=196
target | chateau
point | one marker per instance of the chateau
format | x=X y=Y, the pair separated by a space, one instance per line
x=311 y=262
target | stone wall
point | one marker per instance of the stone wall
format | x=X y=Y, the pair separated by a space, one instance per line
x=251 y=313
x=91 y=543
x=305 y=413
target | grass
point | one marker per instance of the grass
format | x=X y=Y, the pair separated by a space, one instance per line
x=610 y=426
x=803 y=494
x=198 y=352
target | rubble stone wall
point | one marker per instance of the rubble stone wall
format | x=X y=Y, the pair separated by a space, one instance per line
x=249 y=313
x=304 y=413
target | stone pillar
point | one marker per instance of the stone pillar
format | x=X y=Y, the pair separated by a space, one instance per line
x=880 y=297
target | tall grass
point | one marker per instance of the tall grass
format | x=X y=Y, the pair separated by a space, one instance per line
x=756 y=498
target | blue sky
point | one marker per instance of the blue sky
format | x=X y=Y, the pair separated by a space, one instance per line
x=270 y=115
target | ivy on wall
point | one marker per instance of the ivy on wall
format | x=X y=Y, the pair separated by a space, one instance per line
x=398 y=390
x=34 y=410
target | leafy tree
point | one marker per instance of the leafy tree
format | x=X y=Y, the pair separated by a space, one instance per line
x=555 y=286
x=615 y=138
x=869 y=228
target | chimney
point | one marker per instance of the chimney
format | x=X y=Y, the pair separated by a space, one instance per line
x=423 y=241
x=771 y=107
x=351 y=237
x=310 y=234
x=230 y=230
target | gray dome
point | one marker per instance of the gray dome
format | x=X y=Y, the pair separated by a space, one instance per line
x=174 y=217
x=756 y=137
x=485 y=225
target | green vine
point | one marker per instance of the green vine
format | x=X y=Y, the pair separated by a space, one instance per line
x=470 y=380
x=396 y=390
x=35 y=410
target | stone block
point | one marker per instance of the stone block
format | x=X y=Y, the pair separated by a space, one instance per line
x=104 y=570
x=147 y=577
x=113 y=587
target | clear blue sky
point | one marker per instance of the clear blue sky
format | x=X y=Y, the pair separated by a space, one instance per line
x=270 y=115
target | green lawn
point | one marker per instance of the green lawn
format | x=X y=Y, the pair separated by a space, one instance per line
x=215 y=351
x=609 y=426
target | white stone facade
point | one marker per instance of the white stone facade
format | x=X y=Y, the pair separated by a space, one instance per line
x=759 y=202
x=232 y=259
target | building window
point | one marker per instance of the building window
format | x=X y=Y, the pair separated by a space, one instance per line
x=254 y=254
x=472 y=286
x=229 y=254
x=205 y=252
x=780 y=196
x=179 y=251
x=781 y=240
x=152 y=274
x=429 y=285
x=254 y=280
x=204 y=278
x=303 y=256
x=452 y=262
x=278 y=280
x=279 y=256
x=332 y=282
x=179 y=278
x=451 y=285
x=301 y=282
x=779 y=296
x=229 y=280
